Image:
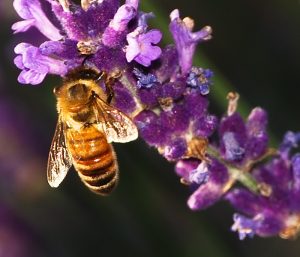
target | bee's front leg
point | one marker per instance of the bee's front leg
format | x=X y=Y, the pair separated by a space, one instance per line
x=110 y=80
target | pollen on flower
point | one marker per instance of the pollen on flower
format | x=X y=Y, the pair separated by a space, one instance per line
x=201 y=79
x=145 y=80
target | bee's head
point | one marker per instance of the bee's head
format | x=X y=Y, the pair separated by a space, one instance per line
x=73 y=94
x=78 y=92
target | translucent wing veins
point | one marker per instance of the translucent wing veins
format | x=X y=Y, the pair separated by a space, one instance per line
x=59 y=160
x=117 y=126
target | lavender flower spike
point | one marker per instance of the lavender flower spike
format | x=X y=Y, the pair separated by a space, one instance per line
x=185 y=40
x=33 y=15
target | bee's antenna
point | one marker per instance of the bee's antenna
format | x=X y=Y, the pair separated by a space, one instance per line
x=86 y=57
x=101 y=75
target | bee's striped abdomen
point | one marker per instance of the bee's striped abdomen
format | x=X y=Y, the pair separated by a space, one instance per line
x=93 y=158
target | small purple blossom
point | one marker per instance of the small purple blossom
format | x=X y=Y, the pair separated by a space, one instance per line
x=186 y=40
x=242 y=141
x=140 y=46
x=244 y=226
x=35 y=66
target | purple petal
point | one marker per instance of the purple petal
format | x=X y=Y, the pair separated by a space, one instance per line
x=31 y=77
x=290 y=140
x=134 y=3
x=278 y=175
x=140 y=48
x=233 y=150
x=150 y=129
x=151 y=52
x=258 y=140
x=81 y=25
x=233 y=137
x=261 y=224
x=205 y=196
x=35 y=65
x=18 y=61
x=244 y=226
x=175 y=150
x=209 y=193
x=205 y=126
x=22 y=47
x=168 y=67
x=175 y=120
x=143 y=60
x=184 y=167
x=200 y=174
x=196 y=104
x=66 y=49
x=185 y=40
x=271 y=225
x=113 y=33
x=245 y=201
x=153 y=36
x=296 y=172
x=173 y=90
x=123 y=99
x=124 y=14
x=22 y=26
x=133 y=49
x=32 y=9
x=23 y=7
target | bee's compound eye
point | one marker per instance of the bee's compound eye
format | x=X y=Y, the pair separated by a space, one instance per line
x=89 y=74
x=55 y=90
x=78 y=91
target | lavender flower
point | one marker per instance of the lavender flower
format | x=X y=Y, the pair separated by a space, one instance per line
x=167 y=99
x=35 y=65
x=33 y=15
x=279 y=212
x=186 y=40
x=140 y=46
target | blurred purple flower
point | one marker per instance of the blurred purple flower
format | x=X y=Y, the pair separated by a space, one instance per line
x=241 y=142
x=33 y=15
x=278 y=213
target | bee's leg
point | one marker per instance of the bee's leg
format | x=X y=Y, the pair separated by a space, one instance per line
x=109 y=90
x=109 y=81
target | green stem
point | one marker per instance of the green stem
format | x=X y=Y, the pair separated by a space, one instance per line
x=236 y=174
x=245 y=178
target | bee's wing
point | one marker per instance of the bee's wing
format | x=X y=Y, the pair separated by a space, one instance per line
x=59 y=160
x=117 y=126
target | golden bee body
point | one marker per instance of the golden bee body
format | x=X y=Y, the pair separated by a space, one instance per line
x=87 y=125
x=93 y=158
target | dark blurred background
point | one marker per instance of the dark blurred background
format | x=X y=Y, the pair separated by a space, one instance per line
x=255 y=50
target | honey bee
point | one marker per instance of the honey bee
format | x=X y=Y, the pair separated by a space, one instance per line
x=87 y=124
